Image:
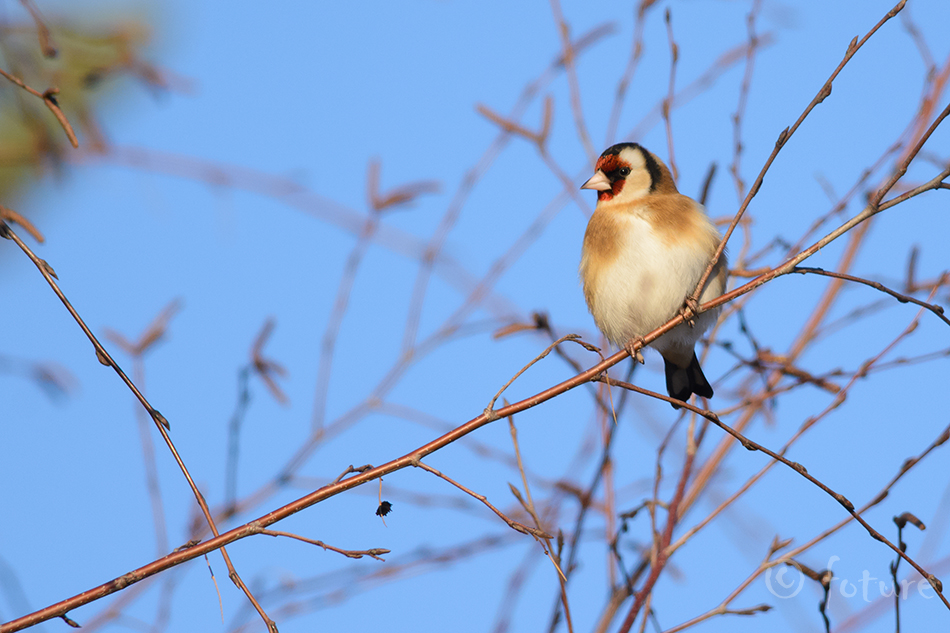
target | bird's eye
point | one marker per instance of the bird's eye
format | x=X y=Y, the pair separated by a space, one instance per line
x=624 y=172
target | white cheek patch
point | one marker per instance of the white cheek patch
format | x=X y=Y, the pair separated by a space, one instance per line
x=638 y=182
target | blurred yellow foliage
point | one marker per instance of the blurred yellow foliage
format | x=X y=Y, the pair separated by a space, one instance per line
x=79 y=63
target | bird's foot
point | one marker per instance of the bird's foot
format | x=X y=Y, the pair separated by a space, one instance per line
x=633 y=347
x=689 y=311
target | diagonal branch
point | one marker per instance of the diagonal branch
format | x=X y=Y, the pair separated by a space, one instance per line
x=936 y=309
x=160 y=422
x=49 y=100
x=786 y=134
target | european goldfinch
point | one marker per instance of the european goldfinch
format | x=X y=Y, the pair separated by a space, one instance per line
x=645 y=249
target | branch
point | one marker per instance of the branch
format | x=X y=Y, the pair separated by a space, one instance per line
x=514 y=525
x=571 y=71
x=786 y=134
x=160 y=423
x=49 y=99
x=938 y=310
x=668 y=102
x=376 y=552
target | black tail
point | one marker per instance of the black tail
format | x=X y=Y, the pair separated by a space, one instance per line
x=682 y=382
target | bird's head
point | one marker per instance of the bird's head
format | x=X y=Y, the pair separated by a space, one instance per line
x=626 y=172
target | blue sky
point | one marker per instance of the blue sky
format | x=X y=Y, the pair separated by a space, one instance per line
x=226 y=194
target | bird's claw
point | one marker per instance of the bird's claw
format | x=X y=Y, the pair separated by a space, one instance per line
x=633 y=349
x=689 y=311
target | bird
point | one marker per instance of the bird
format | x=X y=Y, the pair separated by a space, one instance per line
x=645 y=249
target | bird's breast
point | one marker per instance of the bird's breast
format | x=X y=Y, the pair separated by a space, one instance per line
x=635 y=278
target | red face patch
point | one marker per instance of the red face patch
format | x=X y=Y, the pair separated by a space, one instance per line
x=610 y=165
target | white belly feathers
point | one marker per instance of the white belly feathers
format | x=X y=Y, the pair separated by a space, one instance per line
x=644 y=287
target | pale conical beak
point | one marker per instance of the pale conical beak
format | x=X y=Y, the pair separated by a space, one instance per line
x=598 y=182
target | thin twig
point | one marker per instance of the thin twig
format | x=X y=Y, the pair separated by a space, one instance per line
x=515 y=525
x=636 y=52
x=10 y=215
x=160 y=422
x=788 y=556
x=265 y=368
x=376 y=552
x=49 y=100
x=489 y=410
x=432 y=250
x=936 y=309
x=529 y=507
x=671 y=91
x=735 y=167
x=570 y=70
x=841 y=499
x=42 y=31
x=783 y=138
x=153 y=333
